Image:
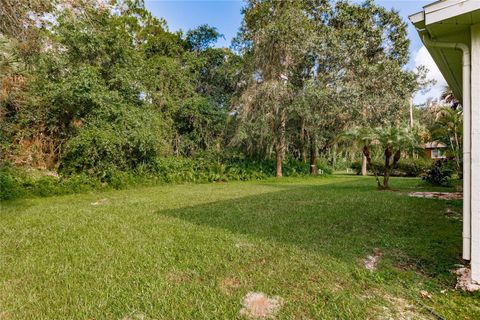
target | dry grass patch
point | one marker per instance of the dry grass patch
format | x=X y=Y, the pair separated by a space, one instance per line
x=400 y=309
x=100 y=202
x=229 y=285
x=257 y=305
x=184 y=277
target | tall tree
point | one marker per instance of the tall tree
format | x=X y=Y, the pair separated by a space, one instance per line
x=270 y=35
x=354 y=71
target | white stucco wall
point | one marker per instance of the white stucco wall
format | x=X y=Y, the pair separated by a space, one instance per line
x=475 y=194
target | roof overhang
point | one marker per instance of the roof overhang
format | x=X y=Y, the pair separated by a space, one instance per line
x=448 y=21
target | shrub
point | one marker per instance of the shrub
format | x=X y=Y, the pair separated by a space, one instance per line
x=413 y=167
x=323 y=165
x=10 y=187
x=439 y=173
x=79 y=183
x=207 y=167
x=405 y=167
x=46 y=186
x=356 y=166
x=116 y=140
x=19 y=182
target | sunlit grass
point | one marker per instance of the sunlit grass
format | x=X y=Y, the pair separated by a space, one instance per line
x=194 y=252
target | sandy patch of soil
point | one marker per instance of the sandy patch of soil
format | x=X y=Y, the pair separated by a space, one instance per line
x=257 y=305
x=425 y=294
x=464 y=281
x=100 y=202
x=371 y=262
x=438 y=195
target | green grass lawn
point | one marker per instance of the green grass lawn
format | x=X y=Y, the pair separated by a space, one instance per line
x=195 y=251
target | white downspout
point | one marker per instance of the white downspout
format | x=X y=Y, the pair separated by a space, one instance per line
x=467 y=129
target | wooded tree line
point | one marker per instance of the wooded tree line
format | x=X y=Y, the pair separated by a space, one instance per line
x=90 y=85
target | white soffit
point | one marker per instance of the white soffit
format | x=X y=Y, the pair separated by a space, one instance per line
x=447 y=9
x=448 y=21
x=451 y=12
x=417 y=18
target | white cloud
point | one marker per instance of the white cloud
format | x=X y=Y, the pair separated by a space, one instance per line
x=423 y=58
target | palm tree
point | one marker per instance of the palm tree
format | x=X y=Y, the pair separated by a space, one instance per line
x=448 y=129
x=9 y=61
x=448 y=97
x=11 y=79
x=392 y=140
x=362 y=139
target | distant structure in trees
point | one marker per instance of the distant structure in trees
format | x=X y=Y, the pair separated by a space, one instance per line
x=435 y=150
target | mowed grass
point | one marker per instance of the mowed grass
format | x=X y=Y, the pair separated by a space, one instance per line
x=195 y=251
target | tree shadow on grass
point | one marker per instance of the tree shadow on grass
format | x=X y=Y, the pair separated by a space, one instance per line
x=346 y=220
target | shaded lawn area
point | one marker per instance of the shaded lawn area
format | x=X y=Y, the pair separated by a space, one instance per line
x=194 y=252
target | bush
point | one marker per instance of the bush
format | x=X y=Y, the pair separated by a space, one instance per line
x=10 y=187
x=413 y=167
x=116 y=140
x=323 y=165
x=405 y=167
x=439 y=173
x=210 y=167
x=19 y=182
x=207 y=167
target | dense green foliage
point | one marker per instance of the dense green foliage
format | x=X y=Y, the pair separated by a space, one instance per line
x=120 y=139
x=208 y=167
x=110 y=88
x=404 y=168
x=316 y=69
x=104 y=89
x=439 y=173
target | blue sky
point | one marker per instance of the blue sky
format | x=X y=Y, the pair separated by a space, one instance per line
x=226 y=16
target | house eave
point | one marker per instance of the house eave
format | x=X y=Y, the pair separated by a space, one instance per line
x=448 y=21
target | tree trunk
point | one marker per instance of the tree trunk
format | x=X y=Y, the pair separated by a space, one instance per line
x=334 y=156
x=386 y=178
x=280 y=145
x=457 y=151
x=313 y=157
x=303 y=147
x=366 y=153
x=411 y=113
x=364 y=165
x=386 y=174
x=279 y=165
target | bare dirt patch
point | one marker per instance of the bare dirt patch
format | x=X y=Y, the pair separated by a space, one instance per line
x=371 y=262
x=438 y=195
x=257 y=305
x=464 y=280
x=425 y=294
x=100 y=202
